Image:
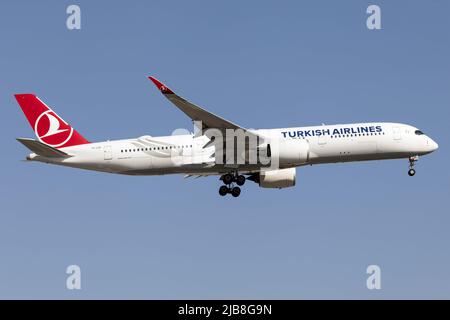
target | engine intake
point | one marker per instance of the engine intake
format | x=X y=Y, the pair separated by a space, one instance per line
x=290 y=152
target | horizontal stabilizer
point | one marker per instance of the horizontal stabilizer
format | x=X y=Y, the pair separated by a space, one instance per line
x=42 y=149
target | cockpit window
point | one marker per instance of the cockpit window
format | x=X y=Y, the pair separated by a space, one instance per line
x=418 y=132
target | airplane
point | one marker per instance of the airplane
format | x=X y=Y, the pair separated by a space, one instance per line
x=277 y=151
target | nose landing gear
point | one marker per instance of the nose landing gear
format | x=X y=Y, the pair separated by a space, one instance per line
x=228 y=180
x=412 y=162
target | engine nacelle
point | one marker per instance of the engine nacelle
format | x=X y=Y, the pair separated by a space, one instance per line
x=282 y=178
x=290 y=152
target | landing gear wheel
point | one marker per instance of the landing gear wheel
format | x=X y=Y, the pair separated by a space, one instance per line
x=235 y=192
x=223 y=190
x=240 y=180
x=412 y=162
x=227 y=178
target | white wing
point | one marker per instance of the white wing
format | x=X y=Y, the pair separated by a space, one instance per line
x=208 y=119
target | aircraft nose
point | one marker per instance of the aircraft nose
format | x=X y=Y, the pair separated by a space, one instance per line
x=433 y=145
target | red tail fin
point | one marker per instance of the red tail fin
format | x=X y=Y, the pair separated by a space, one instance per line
x=47 y=125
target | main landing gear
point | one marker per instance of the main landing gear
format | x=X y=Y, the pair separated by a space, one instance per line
x=412 y=162
x=229 y=180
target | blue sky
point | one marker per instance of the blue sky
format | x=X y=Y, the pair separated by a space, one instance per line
x=260 y=64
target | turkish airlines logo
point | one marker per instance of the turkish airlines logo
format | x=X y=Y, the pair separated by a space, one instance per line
x=52 y=130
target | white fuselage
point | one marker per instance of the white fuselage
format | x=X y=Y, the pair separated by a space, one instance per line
x=186 y=154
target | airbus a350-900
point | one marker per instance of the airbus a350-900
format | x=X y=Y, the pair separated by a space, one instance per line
x=203 y=154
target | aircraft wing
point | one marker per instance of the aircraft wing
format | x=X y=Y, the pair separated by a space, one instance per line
x=196 y=113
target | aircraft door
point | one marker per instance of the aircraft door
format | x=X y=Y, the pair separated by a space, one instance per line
x=396 y=133
x=322 y=140
x=107 y=153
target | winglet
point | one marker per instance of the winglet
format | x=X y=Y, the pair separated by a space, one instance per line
x=161 y=86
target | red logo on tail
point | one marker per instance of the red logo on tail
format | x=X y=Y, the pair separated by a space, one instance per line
x=52 y=130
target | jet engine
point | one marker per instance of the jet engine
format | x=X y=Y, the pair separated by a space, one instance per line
x=281 y=178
